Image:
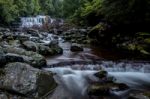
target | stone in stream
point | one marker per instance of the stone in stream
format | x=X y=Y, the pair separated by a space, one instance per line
x=139 y=96
x=51 y=49
x=22 y=79
x=31 y=46
x=32 y=58
x=33 y=32
x=76 y=48
x=106 y=86
x=10 y=57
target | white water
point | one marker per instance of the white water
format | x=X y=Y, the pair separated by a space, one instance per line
x=75 y=82
x=74 y=79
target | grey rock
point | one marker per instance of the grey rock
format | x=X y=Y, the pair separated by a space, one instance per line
x=23 y=79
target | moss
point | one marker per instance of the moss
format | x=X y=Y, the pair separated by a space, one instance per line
x=143 y=34
x=132 y=47
x=101 y=74
x=147 y=40
x=100 y=27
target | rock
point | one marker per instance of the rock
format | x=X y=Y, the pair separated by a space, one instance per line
x=101 y=74
x=3 y=96
x=29 y=57
x=6 y=95
x=106 y=85
x=30 y=46
x=106 y=89
x=53 y=43
x=76 y=48
x=98 y=90
x=55 y=47
x=22 y=38
x=51 y=49
x=4 y=29
x=13 y=58
x=45 y=50
x=25 y=80
x=3 y=60
x=14 y=43
x=98 y=30
x=33 y=32
x=138 y=96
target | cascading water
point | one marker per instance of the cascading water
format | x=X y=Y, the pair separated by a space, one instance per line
x=74 y=80
x=75 y=71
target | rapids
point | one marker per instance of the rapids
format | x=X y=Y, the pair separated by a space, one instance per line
x=74 y=71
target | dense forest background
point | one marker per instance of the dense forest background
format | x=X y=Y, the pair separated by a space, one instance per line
x=89 y=11
x=119 y=23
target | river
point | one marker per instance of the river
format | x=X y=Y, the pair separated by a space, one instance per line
x=75 y=70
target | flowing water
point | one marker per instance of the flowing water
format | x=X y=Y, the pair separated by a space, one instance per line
x=74 y=71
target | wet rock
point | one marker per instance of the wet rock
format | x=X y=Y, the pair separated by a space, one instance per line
x=4 y=29
x=30 y=46
x=98 y=90
x=106 y=86
x=32 y=58
x=55 y=47
x=45 y=50
x=75 y=35
x=14 y=43
x=7 y=95
x=25 y=80
x=101 y=74
x=138 y=96
x=33 y=32
x=22 y=38
x=76 y=48
x=106 y=89
x=13 y=58
x=53 y=43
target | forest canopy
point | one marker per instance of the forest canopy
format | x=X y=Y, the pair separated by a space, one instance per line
x=82 y=11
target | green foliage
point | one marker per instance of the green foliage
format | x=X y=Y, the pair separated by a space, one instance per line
x=115 y=12
x=13 y=9
x=8 y=11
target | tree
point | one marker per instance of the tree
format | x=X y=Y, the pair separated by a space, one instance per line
x=9 y=11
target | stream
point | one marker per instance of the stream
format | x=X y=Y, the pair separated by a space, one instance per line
x=75 y=70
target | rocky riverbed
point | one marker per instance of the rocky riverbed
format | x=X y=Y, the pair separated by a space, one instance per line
x=22 y=54
x=42 y=65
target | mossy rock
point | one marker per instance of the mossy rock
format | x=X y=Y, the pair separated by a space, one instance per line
x=97 y=29
x=101 y=74
x=99 y=89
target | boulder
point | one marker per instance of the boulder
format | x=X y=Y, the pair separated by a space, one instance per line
x=22 y=38
x=6 y=95
x=25 y=80
x=29 y=57
x=45 y=50
x=4 y=29
x=138 y=96
x=33 y=32
x=76 y=48
x=10 y=57
x=30 y=46
x=106 y=86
